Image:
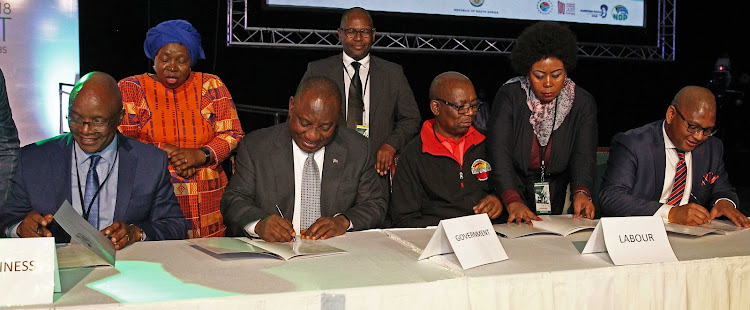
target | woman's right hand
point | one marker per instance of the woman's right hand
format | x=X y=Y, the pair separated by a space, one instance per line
x=519 y=212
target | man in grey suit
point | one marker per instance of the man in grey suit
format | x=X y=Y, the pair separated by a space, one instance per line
x=307 y=176
x=378 y=101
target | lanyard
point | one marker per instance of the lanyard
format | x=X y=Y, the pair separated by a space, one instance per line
x=85 y=212
x=543 y=149
x=364 y=86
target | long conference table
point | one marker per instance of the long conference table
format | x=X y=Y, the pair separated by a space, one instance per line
x=381 y=271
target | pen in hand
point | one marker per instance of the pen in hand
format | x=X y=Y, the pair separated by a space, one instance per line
x=294 y=238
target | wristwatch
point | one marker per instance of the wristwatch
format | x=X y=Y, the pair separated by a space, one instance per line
x=208 y=154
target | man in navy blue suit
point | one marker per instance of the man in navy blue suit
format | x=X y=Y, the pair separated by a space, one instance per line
x=672 y=168
x=127 y=193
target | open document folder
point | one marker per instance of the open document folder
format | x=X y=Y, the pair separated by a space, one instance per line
x=721 y=227
x=562 y=225
x=283 y=250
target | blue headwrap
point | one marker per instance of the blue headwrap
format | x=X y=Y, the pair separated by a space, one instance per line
x=174 y=31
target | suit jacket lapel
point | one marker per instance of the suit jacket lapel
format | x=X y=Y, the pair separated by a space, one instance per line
x=377 y=82
x=126 y=168
x=66 y=147
x=660 y=156
x=699 y=165
x=283 y=167
x=333 y=167
x=337 y=75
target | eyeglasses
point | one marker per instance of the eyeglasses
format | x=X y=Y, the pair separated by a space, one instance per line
x=351 y=33
x=695 y=128
x=463 y=109
x=96 y=125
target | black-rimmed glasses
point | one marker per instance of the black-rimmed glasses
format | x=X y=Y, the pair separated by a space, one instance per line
x=351 y=33
x=695 y=128
x=95 y=125
x=463 y=109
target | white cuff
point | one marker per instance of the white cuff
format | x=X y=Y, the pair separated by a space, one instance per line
x=734 y=204
x=12 y=231
x=351 y=225
x=663 y=212
x=250 y=229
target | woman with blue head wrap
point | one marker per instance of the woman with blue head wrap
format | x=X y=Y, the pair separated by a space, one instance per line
x=190 y=115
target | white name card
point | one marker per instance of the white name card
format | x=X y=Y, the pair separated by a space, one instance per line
x=631 y=240
x=27 y=271
x=471 y=238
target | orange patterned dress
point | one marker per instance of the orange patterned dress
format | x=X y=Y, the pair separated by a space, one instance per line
x=198 y=113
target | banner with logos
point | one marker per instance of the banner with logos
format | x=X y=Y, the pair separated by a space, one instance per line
x=38 y=51
x=605 y=12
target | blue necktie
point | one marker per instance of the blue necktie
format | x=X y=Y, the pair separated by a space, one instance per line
x=92 y=185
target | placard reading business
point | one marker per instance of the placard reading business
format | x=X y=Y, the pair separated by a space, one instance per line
x=603 y=12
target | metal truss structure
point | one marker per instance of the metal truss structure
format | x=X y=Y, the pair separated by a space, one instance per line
x=239 y=34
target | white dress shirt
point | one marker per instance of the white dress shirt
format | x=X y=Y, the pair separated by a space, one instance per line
x=299 y=163
x=364 y=76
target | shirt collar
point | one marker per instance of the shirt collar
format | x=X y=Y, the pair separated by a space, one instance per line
x=296 y=149
x=667 y=142
x=108 y=153
x=364 y=61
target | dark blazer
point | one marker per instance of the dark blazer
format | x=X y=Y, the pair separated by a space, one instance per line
x=572 y=156
x=145 y=195
x=264 y=178
x=634 y=178
x=394 y=116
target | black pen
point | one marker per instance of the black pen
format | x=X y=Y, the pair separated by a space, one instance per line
x=694 y=198
x=282 y=216
x=39 y=229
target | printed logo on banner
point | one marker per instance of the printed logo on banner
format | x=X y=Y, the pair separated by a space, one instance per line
x=544 y=7
x=566 y=8
x=476 y=3
x=601 y=12
x=5 y=11
x=619 y=12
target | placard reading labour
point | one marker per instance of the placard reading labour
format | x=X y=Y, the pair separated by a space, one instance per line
x=631 y=240
x=471 y=237
x=27 y=271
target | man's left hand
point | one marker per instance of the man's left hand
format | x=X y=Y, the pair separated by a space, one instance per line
x=490 y=205
x=326 y=227
x=725 y=208
x=384 y=159
x=122 y=234
x=583 y=207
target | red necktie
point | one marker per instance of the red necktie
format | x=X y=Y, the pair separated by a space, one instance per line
x=680 y=175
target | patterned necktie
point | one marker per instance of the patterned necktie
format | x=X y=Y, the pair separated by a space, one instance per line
x=356 y=104
x=92 y=185
x=310 y=200
x=680 y=175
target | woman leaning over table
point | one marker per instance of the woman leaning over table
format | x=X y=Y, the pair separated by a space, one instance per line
x=190 y=115
x=543 y=128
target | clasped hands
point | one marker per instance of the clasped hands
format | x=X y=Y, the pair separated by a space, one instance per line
x=694 y=214
x=121 y=234
x=185 y=161
x=275 y=228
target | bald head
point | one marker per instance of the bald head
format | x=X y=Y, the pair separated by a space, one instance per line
x=101 y=87
x=695 y=98
x=445 y=81
x=355 y=11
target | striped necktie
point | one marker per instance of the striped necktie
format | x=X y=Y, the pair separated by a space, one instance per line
x=92 y=186
x=680 y=176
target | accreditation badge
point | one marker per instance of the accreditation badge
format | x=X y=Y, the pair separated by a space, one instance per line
x=542 y=198
x=364 y=130
x=481 y=169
